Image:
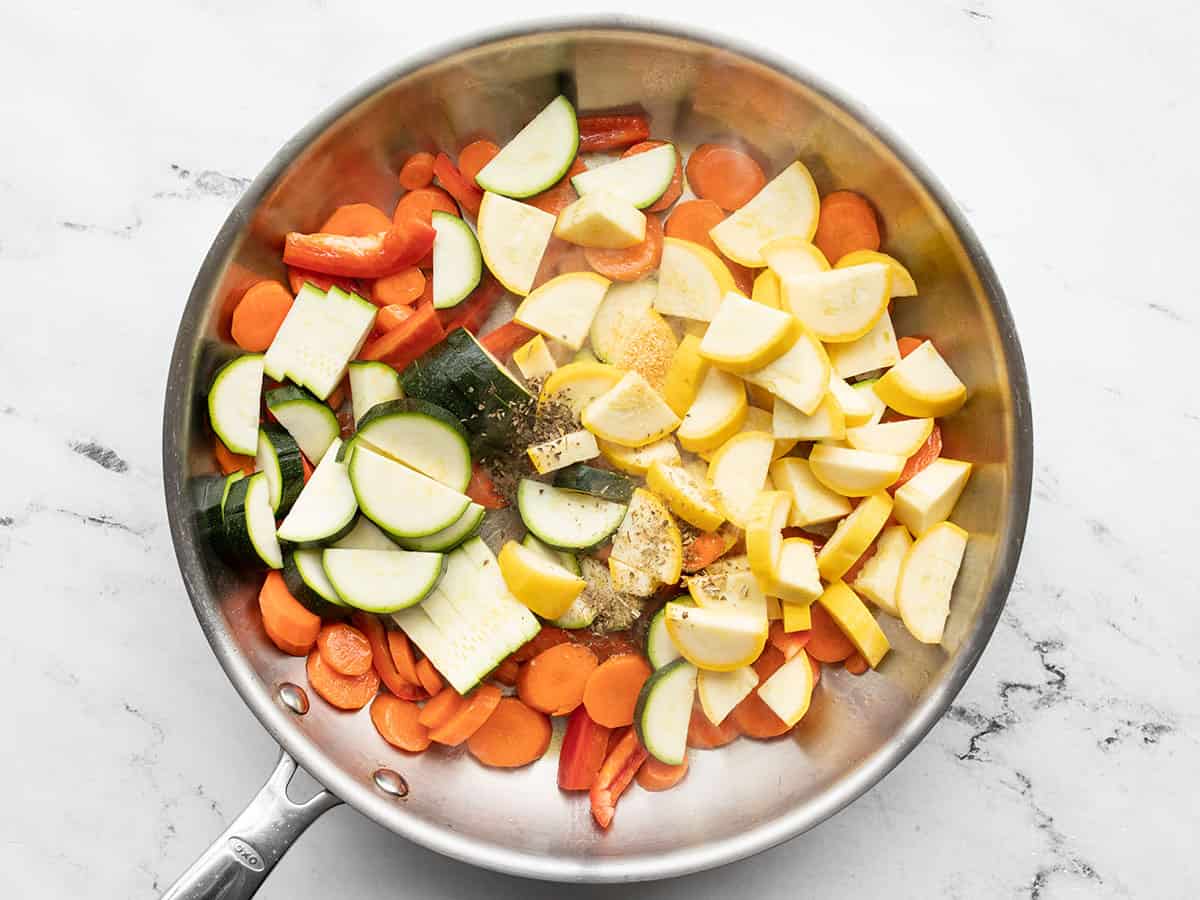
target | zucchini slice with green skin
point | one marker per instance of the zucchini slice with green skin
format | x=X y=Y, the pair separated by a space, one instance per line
x=233 y=403
x=319 y=336
x=365 y=535
x=310 y=422
x=400 y=500
x=326 y=507
x=208 y=494
x=566 y=520
x=382 y=581
x=664 y=709
x=597 y=482
x=457 y=263
x=372 y=382
x=639 y=179
x=564 y=558
x=306 y=579
x=279 y=458
x=660 y=649
x=461 y=376
x=451 y=536
x=421 y=435
x=539 y=155
x=250 y=522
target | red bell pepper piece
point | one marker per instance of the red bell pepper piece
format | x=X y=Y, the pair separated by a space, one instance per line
x=419 y=333
x=381 y=658
x=507 y=338
x=600 y=133
x=368 y=256
x=582 y=753
x=468 y=194
x=482 y=489
x=615 y=775
x=474 y=311
x=929 y=451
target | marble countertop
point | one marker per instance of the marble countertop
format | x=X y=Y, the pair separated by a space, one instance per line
x=1067 y=133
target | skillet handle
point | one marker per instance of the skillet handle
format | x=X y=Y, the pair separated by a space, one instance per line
x=238 y=861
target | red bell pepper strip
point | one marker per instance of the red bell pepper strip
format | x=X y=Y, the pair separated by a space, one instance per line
x=468 y=194
x=582 y=753
x=928 y=452
x=600 y=133
x=368 y=256
x=419 y=333
x=482 y=489
x=474 y=311
x=381 y=658
x=297 y=278
x=507 y=338
x=615 y=775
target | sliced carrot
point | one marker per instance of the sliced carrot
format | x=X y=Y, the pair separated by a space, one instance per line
x=553 y=681
x=356 y=220
x=229 y=462
x=513 y=736
x=703 y=550
x=307 y=467
x=342 y=691
x=417 y=171
x=727 y=176
x=477 y=706
x=473 y=157
x=473 y=312
x=598 y=134
x=634 y=262
x=655 y=775
x=400 y=651
x=338 y=396
x=584 y=747
x=816 y=670
x=548 y=637
x=908 y=344
x=828 y=643
x=507 y=672
x=929 y=451
x=402 y=289
x=789 y=643
x=397 y=722
x=291 y=627
x=855 y=664
x=422 y=203
x=618 y=771
x=846 y=223
x=468 y=194
x=297 y=278
x=605 y=646
x=393 y=316
x=441 y=708
x=259 y=314
x=430 y=678
x=752 y=716
x=381 y=657
x=561 y=195
x=482 y=489
x=674 y=189
x=691 y=221
x=612 y=689
x=344 y=648
x=419 y=333
x=507 y=338
x=704 y=735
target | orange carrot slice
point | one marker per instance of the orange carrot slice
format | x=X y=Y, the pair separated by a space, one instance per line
x=507 y=672
x=344 y=648
x=704 y=735
x=381 y=658
x=400 y=650
x=441 y=708
x=727 y=176
x=752 y=716
x=417 y=171
x=291 y=627
x=397 y=722
x=846 y=223
x=855 y=664
x=342 y=691
x=259 y=314
x=229 y=462
x=477 y=706
x=356 y=220
x=612 y=689
x=827 y=642
x=473 y=157
x=634 y=262
x=548 y=637
x=422 y=203
x=706 y=548
x=513 y=735
x=553 y=681
x=789 y=643
x=430 y=678
x=929 y=451
x=402 y=289
x=655 y=775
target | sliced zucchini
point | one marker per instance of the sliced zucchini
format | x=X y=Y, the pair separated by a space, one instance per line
x=639 y=179
x=597 y=482
x=382 y=581
x=660 y=650
x=567 y=560
x=537 y=157
x=233 y=402
x=564 y=519
x=664 y=710
x=318 y=338
x=457 y=265
x=625 y=305
x=365 y=535
x=421 y=435
x=326 y=507
x=309 y=421
x=209 y=492
x=512 y=238
x=400 y=500
x=249 y=522
x=280 y=460
x=306 y=579
x=372 y=382
x=563 y=307
x=466 y=527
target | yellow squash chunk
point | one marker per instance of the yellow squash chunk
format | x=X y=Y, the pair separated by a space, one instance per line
x=744 y=336
x=856 y=621
x=788 y=692
x=631 y=413
x=787 y=205
x=577 y=384
x=738 y=472
x=797 y=616
x=797 y=581
x=602 y=220
x=533 y=359
x=878 y=407
x=827 y=422
x=877 y=349
x=638 y=460
x=789 y=257
x=716 y=414
x=922 y=385
x=563 y=307
x=903 y=438
x=512 y=238
x=689 y=498
x=879 y=575
x=538 y=581
x=691 y=281
x=853 y=536
x=758 y=419
x=854 y=473
x=560 y=452
x=720 y=692
x=764 y=536
x=799 y=376
x=926 y=581
x=648 y=539
x=684 y=375
x=903 y=284
x=839 y=305
x=766 y=290
x=812 y=502
x=711 y=586
x=720 y=640
x=929 y=496
x=856 y=408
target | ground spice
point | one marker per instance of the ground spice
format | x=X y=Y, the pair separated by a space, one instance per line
x=615 y=611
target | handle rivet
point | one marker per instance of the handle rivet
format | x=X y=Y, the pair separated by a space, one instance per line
x=293 y=697
x=391 y=783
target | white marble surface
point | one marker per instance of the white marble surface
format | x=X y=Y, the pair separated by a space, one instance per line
x=1067 y=131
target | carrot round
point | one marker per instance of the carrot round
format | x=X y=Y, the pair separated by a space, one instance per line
x=929 y=451
x=259 y=314
x=704 y=735
x=855 y=664
x=473 y=157
x=655 y=775
x=608 y=645
x=703 y=550
x=691 y=221
x=441 y=708
x=344 y=648
x=507 y=672
x=789 y=643
x=422 y=203
x=908 y=344
x=752 y=716
x=397 y=723
x=402 y=289
x=553 y=681
x=356 y=220
x=476 y=708
x=674 y=189
x=391 y=317
x=846 y=223
x=828 y=643
x=548 y=637
x=381 y=658
x=291 y=627
x=513 y=735
x=417 y=171
x=727 y=176
x=612 y=689
x=561 y=195
x=430 y=678
x=632 y=263
x=342 y=691
x=468 y=194
x=229 y=462
x=400 y=650
x=297 y=278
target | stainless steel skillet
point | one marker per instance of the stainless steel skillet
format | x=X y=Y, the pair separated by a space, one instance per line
x=748 y=796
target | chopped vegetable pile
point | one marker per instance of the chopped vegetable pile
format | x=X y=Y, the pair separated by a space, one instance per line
x=689 y=470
